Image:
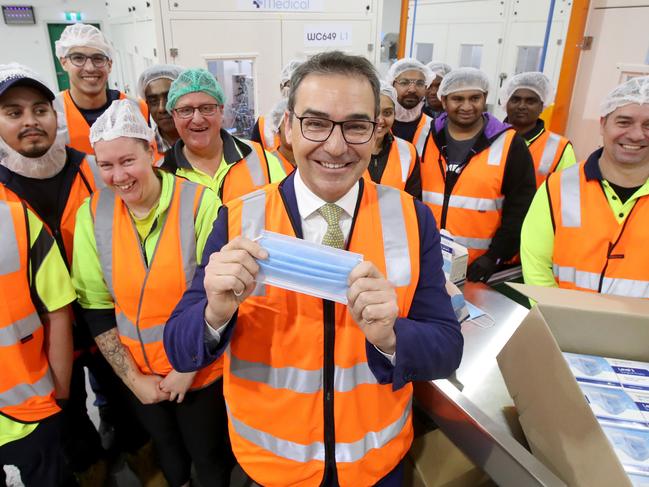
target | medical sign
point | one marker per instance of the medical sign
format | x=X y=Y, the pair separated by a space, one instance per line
x=327 y=34
x=281 y=5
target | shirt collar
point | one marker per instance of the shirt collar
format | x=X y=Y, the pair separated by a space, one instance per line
x=535 y=132
x=234 y=150
x=308 y=202
x=591 y=167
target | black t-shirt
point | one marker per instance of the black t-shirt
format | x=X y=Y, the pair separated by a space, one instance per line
x=93 y=114
x=624 y=193
x=405 y=130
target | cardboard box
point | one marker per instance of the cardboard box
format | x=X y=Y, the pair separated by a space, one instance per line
x=558 y=422
x=456 y=258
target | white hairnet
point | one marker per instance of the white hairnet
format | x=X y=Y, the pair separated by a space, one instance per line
x=287 y=71
x=389 y=91
x=82 y=35
x=634 y=91
x=122 y=119
x=157 y=71
x=463 y=79
x=409 y=64
x=276 y=115
x=439 y=68
x=534 y=81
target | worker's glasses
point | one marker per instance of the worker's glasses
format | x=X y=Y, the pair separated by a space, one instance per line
x=79 y=60
x=405 y=83
x=318 y=129
x=205 y=110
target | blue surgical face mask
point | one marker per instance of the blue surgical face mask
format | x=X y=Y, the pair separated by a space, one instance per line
x=306 y=267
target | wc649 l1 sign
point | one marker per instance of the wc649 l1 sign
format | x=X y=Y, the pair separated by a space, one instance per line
x=327 y=34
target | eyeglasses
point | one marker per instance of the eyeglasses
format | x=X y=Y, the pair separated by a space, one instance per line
x=79 y=60
x=318 y=129
x=405 y=83
x=205 y=110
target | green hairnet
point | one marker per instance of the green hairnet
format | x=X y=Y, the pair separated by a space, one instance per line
x=191 y=81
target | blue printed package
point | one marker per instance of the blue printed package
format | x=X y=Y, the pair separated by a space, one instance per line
x=306 y=267
x=591 y=369
x=631 y=446
x=613 y=404
x=455 y=258
x=631 y=374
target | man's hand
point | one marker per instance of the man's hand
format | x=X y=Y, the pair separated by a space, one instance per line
x=147 y=389
x=481 y=269
x=176 y=384
x=372 y=301
x=230 y=278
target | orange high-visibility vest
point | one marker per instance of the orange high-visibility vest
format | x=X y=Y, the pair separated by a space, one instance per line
x=286 y=164
x=547 y=150
x=473 y=212
x=421 y=133
x=269 y=139
x=145 y=296
x=85 y=183
x=401 y=162
x=26 y=384
x=246 y=175
x=592 y=251
x=274 y=368
x=78 y=130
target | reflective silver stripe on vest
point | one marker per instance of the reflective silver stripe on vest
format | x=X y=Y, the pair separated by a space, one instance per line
x=253 y=221
x=186 y=230
x=92 y=163
x=423 y=134
x=254 y=166
x=464 y=202
x=473 y=243
x=104 y=234
x=61 y=118
x=148 y=335
x=21 y=392
x=345 y=452
x=590 y=280
x=19 y=329
x=9 y=253
x=404 y=157
x=549 y=153
x=395 y=237
x=570 y=197
x=298 y=380
x=496 y=150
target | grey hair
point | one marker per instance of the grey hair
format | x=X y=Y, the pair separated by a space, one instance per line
x=335 y=62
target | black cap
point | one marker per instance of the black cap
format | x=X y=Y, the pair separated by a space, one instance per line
x=23 y=79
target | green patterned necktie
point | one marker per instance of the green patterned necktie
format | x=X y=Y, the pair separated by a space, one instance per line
x=334 y=236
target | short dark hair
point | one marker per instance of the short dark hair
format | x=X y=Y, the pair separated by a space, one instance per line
x=335 y=62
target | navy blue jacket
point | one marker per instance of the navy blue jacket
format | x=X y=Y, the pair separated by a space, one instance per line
x=429 y=342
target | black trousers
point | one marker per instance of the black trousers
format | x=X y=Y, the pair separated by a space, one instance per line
x=81 y=441
x=194 y=431
x=38 y=456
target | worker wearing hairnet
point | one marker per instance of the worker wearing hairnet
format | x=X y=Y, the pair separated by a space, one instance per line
x=206 y=153
x=477 y=174
x=263 y=132
x=281 y=148
x=394 y=161
x=37 y=168
x=588 y=225
x=153 y=87
x=410 y=78
x=87 y=56
x=433 y=107
x=524 y=96
x=137 y=243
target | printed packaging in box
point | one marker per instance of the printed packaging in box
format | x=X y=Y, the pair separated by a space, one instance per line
x=557 y=420
x=456 y=258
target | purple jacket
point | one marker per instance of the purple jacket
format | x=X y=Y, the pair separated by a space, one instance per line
x=429 y=341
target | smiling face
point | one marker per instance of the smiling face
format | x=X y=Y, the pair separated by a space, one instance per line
x=465 y=108
x=386 y=117
x=87 y=79
x=27 y=121
x=332 y=167
x=626 y=135
x=524 y=108
x=198 y=132
x=126 y=167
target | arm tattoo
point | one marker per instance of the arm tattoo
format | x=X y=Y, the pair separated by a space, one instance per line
x=115 y=353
